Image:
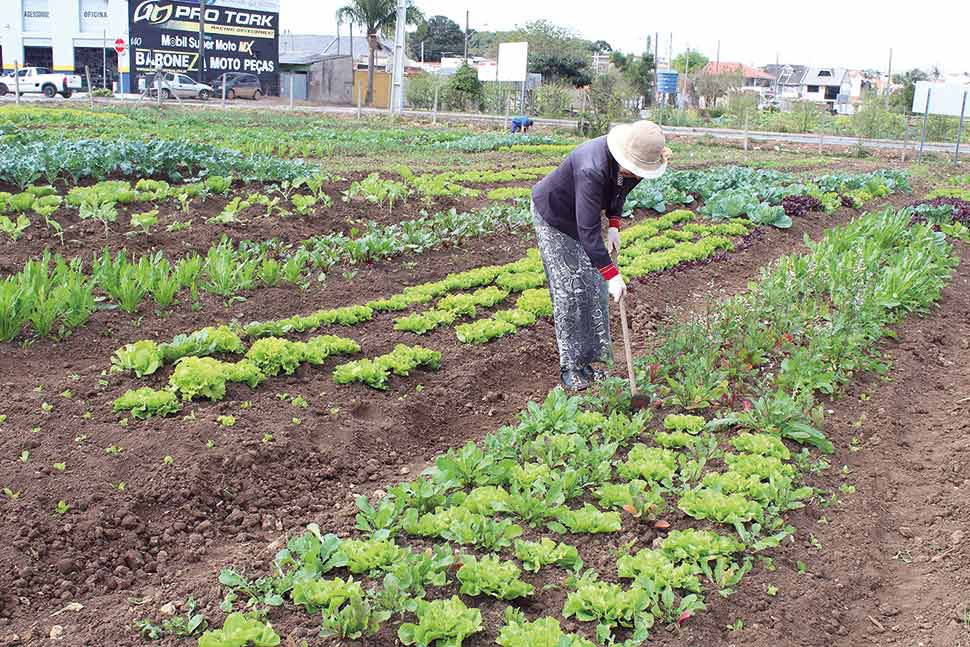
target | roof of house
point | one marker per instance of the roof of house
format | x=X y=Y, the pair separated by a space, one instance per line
x=304 y=58
x=787 y=74
x=825 y=76
x=725 y=67
x=326 y=44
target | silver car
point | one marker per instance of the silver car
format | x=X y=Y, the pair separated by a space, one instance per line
x=180 y=85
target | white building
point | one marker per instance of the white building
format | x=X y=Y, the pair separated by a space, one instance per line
x=64 y=35
x=829 y=85
x=71 y=35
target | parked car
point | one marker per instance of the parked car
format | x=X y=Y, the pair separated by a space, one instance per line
x=41 y=80
x=245 y=86
x=181 y=86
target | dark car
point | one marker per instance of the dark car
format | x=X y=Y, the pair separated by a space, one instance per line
x=246 y=86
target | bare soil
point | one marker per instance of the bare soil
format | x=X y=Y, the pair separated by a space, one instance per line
x=122 y=554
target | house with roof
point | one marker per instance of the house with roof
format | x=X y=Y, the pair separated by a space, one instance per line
x=788 y=80
x=753 y=79
x=826 y=85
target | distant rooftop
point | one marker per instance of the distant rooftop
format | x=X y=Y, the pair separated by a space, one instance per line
x=825 y=76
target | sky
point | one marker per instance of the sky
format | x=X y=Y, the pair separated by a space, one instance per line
x=821 y=33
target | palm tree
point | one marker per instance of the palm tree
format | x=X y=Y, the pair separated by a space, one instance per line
x=378 y=17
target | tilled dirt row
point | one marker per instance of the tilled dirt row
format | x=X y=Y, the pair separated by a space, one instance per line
x=174 y=526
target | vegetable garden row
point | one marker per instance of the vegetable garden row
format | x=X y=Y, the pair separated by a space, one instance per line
x=211 y=346
x=570 y=467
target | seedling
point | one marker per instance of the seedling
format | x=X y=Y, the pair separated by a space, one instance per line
x=267 y=438
x=248 y=404
x=847 y=488
x=737 y=625
x=10 y=494
x=168 y=460
x=62 y=507
x=296 y=421
x=801 y=567
x=60 y=467
x=46 y=407
x=67 y=393
x=113 y=450
x=24 y=456
x=87 y=415
x=3 y=418
x=81 y=439
x=772 y=590
x=300 y=401
x=210 y=443
x=120 y=486
x=226 y=421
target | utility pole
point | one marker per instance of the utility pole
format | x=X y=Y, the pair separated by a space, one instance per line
x=467 y=33
x=717 y=59
x=889 y=80
x=656 y=63
x=201 y=74
x=397 y=87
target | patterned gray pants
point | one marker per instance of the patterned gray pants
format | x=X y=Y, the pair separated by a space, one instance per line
x=580 y=298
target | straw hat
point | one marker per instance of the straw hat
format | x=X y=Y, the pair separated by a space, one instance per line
x=640 y=148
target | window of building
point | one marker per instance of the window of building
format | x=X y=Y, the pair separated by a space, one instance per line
x=812 y=89
x=827 y=73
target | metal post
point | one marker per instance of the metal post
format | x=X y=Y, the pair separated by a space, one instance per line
x=201 y=78
x=821 y=141
x=158 y=85
x=745 y=130
x=16 y=81
x=467 y=29
x=523 y=95
x=505 y=121
x=905 y=142
x=963 y=113
x=292 y=77
x=889 y=80
x=224 y=105
x=656 y=67
x=397 y=84
x=926 y=119
x=434 y=106
x=104 y=59
x=360 y=98
x=87 y=73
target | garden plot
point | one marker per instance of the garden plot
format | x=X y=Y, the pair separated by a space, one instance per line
x=167 y=503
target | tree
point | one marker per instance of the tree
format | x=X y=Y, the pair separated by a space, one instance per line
x=378 y=17
x=440 y=35
x=696 y=62
x=902 y=99
x=464 y=88
x=600 y=47
x=637 y=71
x=714 y=86
x=554 y=51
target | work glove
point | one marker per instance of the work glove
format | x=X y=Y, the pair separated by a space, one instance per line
x=617 y=288
x=613 y=241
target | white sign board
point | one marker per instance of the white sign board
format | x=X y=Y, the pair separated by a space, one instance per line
x=513 y=62
x=37 y=16
x=945 y=98
x=487 y=71
x=94 y=16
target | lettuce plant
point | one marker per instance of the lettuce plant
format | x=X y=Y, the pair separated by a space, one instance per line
x=545 y=552
x=143 y=357
x=146 y=402
x=241 y=630
x=491 y=576
x=441 y=623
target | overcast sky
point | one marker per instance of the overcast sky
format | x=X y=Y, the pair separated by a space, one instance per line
x=849 y=33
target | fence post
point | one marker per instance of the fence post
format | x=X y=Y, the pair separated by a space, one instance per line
x=902 y=156
x=87 y=73
x=360 y=99
x=292 y=77
x=745 y=130
x=434 y=106
x=821 y=141
x=963 y=113
x=224 y=106
x=926 y=119
x=16 y=81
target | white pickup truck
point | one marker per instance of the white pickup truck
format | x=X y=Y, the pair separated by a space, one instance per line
x=40 y=79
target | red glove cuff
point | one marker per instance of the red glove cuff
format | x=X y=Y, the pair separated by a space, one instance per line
x=615 y=222
x=609 y=271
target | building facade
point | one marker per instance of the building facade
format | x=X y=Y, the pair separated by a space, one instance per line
x=65 y=36
x=80 y=36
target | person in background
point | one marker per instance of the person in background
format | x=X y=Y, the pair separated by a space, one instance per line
x=567 y=211
x=522 y=124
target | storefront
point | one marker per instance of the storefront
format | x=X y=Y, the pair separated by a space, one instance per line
x=80 y=36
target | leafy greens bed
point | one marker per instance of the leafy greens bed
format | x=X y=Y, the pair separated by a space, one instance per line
x=719 y=484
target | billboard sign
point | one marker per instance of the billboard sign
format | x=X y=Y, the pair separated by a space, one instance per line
x=945 y=98
x=513 y=62
x=667 y=81
x=240 y=36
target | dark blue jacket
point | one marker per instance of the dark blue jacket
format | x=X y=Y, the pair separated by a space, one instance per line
x=573 y=197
